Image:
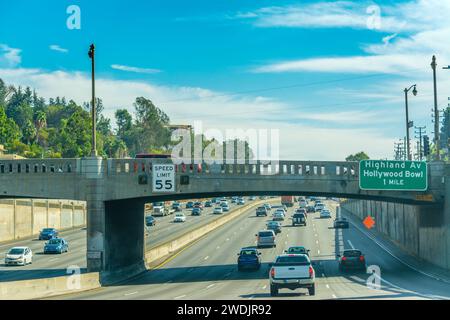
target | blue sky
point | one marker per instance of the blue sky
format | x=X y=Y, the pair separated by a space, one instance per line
x=325 y=73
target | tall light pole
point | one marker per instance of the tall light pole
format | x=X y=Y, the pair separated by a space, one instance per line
x=408 y=123
x=91 y=54
x=436 y=111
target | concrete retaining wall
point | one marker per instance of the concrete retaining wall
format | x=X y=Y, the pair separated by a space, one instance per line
x=422 y=231
x=47 y=287
x=170 y=247
x=22 y=218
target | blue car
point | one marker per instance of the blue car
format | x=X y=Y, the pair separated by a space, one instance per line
x=249 y=258
x=48 y=233
x=57 y=245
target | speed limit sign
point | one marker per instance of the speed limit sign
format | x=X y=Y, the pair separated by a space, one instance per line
x=163 y=178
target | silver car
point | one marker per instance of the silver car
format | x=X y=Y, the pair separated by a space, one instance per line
x=265 y=238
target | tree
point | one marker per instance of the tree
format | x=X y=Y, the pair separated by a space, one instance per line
x=123 y=122
x=9 y=131
x=357 y=156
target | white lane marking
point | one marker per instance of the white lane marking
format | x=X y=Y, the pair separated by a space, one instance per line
x=264 y=287
x=315 y=235
x=318 y=251
x=206 y=258
x=210 y=286
x=317 y=241
x=328 y=286
x=287 y=236
x=228 y=239
x=179 y=297
x=334 y=296
x=351 y=244
x=54 y=259
x=217 y=247
x=130 y=293
x=285 y=242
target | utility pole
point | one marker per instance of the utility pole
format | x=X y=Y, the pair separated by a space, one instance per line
x=409 y=124
x=436 y=111
x=91 y=54
x=420 y=131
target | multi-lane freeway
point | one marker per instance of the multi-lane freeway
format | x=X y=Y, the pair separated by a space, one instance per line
x=44 y=266
x=207 y=268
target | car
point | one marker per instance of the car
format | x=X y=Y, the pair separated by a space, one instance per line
x=297 y=250
x=352 y=259
x=261 y=211
x=19 y=256
x=196 y=211
x=225 y=208
x=208 y=204
x=150 y=221
x=298 y=218
x=234 y=200
x=249 y=258
x=265 y=238
x=189 y=205
x=278 y=216
x=198 y=205
x=292 y=271
x=275 y=226
x=303 y=203
x=282 y=207
x=319 y=207
x=218 y=210
x=252 y=198
x=341 y=223
x=48 y=233
x=240 y=202
x=268 y=206
x=302 y=210
x=56 y=245
x=177 y=206
x=223 y=202
x=179 y=217
x=325 y=214
x=310 y=209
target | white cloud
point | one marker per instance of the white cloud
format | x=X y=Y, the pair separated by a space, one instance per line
x=134 y=69
x=9 y=57
x=184 y=105
x=56 y=47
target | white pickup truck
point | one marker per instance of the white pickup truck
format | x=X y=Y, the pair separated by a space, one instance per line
x=292 y=271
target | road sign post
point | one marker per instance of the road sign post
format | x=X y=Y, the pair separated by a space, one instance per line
x=163 y=178
x=393 y=175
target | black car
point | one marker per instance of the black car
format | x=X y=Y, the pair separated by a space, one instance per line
x=150 y=221
x=352 y=259
x=341 y=223
x=208 y=204
x=196 y=211
x=299 y=219
x=189 y=205
x=275 y=226
x=176 y=206
x=310 y=209
x=261 y=211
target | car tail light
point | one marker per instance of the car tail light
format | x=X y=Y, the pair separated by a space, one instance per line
x=272 y=272
x=361 y=258
x=311 y=272
x=344 y=258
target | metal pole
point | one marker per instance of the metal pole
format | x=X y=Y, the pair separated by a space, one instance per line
x=436 y=111
x=407 y=126
x=94 y=129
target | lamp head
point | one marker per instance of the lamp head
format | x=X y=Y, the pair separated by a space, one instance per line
x=415 y=91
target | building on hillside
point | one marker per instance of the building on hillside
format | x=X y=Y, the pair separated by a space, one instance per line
x=6 y=156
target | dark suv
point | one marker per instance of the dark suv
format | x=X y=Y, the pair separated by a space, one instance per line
x=352 y=259
x=261 y=211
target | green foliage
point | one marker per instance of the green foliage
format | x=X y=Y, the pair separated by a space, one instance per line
x=357 y=156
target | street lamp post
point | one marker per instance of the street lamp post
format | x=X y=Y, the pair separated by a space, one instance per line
x=408 y=124
x=91 y=54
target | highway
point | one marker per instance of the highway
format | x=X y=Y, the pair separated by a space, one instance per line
x=207 y=268
x=45 y=266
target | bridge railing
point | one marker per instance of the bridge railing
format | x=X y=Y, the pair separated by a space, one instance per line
x=35 y=166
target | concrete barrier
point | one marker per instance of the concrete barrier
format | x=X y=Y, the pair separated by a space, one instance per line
x=48 y=287
x=172 y=246
x=24 y=218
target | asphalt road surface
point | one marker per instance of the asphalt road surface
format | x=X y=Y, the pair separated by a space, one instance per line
x=207 y=269
x=52 y=265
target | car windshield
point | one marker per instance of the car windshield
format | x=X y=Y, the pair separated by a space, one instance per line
x=298 y=215
x=296 y=250
x=352 y=253
x=180 y=215
x=16 y=251
x=158 y=204
x=47 y=230
x=55 y=241
x=266 y=234
x=293 y=260
x=248 y=252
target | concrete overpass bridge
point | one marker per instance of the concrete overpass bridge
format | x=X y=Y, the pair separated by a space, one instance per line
x=117 y=189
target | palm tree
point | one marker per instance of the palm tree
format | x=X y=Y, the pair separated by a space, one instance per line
x=40 y=123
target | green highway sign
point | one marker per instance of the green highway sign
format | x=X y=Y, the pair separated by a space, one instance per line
x=393 y=175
